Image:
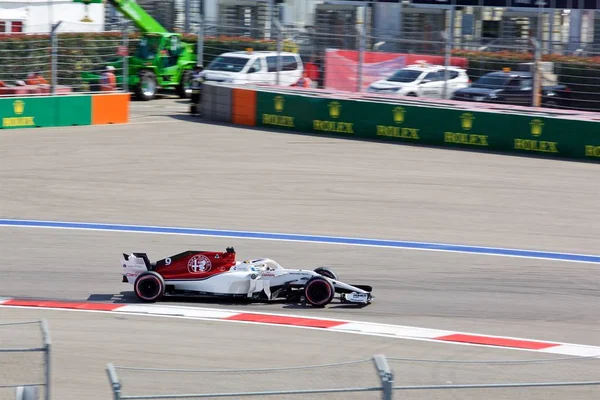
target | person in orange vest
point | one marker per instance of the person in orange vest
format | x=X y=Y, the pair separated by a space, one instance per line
x=305 y=81
x=36 y=78
x=109 y=81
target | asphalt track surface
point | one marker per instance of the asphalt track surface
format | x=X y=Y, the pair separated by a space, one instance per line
x=170 y=171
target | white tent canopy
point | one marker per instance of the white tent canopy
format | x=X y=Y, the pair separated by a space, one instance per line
x=14 y=13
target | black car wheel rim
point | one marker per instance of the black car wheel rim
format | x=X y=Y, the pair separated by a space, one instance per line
x=318 y=292
x=149 y=288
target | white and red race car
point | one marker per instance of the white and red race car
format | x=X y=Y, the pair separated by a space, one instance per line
x=218 y=274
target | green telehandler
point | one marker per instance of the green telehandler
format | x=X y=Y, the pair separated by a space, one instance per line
x=161 y=60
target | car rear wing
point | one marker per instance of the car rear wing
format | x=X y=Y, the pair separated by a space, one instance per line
x=133 y=265
x=142 y=256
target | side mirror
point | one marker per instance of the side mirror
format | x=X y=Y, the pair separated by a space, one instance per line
x=424 y=81
x=252 y=70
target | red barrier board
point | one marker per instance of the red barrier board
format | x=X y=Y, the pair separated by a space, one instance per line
x=341 y=66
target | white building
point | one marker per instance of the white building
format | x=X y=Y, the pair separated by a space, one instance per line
x=37 y=16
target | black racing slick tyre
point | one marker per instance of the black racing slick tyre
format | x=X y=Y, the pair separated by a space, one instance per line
x=149 y=287
x=327 y=272
x=318 y=291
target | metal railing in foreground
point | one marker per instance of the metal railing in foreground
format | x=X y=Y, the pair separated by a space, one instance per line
x=27 y=390
x=379 y=362
x=385 y=389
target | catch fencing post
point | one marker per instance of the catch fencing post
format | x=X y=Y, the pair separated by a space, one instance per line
x=47 y=345
x=54 y=61
x=200 y=40
x=275 y=22
x=362 y=31
x=126 y=58
x=537 y=42
x=188 y=12
x=449 y=36
x=114 y=381
x=536 y=72
x=385 y=374
x=279 y=40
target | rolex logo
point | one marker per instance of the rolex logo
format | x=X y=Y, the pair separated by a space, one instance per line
x=399 y=115
x=279 y=101
x=19 y=107
x=536 y=127
x=467 y=121
x=334 y=109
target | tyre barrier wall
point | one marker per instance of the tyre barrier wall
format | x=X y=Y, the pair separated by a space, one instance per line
x=64 y=110
x=514 y=130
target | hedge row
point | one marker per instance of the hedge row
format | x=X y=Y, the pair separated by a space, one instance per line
x=78 y=52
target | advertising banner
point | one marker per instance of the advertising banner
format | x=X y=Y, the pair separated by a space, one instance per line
x=501 y=132
x=283 y=111
x=77 y=110
x=26 y=112
x=341 y=67
x=69 y=110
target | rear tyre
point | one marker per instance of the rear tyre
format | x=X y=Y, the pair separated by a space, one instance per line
x=149 y=287
x=318 y=291
x=327 y=272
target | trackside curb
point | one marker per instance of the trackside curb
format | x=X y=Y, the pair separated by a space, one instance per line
x=296 y=321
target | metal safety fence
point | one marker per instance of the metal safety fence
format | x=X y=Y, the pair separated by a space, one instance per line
x=273 y=381
x=429 y=65
x=61 y=62
x=148 y=383
x=359 y=46
x=342 y=47
x=25 y=369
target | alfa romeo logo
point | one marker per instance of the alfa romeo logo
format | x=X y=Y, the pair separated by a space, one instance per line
x=199 y=264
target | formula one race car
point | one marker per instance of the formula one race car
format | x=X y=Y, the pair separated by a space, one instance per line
x=218 y=274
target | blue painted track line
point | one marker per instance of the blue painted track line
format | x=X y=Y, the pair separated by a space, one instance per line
x=454 y=248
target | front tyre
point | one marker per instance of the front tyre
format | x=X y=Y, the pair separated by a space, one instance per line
x=184 y=88
x=149 y=287
x=327 y=273
x=318 y=291
x=147 y=87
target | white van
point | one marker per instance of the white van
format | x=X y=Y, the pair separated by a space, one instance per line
x=253 y=67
